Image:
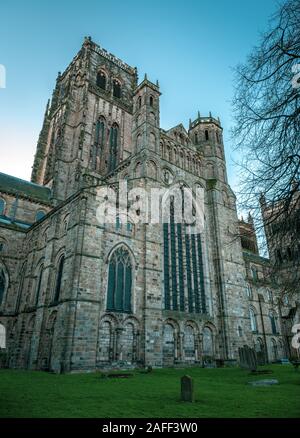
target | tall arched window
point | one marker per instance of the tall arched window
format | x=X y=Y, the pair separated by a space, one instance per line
x=38 y=285
x=113 y=147
x=58 y=283
x=116 y=88
x=2 y=284
x=119 y=281
x=139 y=102
x=253 y=321
x=151 y=101
x=99 y=142
x=2 y=207
x=273 y=322
x=206 y=135
x=101 y=79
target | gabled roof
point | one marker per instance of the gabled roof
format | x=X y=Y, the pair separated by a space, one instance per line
x=17 y=186
x=179 y=128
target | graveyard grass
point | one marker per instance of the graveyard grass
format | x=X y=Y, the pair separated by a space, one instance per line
x=221 y=392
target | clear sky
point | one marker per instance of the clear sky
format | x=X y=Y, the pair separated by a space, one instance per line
x=190 y=46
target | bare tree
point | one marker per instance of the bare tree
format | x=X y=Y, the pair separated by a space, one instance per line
x=266 y=108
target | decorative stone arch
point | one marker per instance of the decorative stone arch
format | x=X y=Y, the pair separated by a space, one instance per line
x=175 y=155
x=210 y=170
x=191 y=347
x=129 y=348
x=162 y=149
x=152 y=167
x=117 y=80
x=127 y=247
x=38 y=277
x=170 y=340
x=181 y=158
x=209 y=340
x=194 y=165
x=253 y=317
x=138 y=169
x=168 y=149
x=64 y=224
x=106 y=339
x=102 y=69
x=58 y=271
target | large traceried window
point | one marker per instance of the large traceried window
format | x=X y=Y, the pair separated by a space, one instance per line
x=119 y=281
x=184 y=287
x=113 y=147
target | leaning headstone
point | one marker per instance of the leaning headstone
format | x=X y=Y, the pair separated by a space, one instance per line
x=187 y=389
x=247 y=358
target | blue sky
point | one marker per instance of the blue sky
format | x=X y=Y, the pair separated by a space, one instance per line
x=189 y=46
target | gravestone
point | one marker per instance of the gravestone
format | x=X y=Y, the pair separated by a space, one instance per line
x=264 y=382
x=187 y=389
x=247 y=358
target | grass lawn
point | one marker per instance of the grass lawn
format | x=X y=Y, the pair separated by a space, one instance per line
x=219 y=393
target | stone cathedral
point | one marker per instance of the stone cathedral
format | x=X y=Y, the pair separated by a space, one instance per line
x=76 y=294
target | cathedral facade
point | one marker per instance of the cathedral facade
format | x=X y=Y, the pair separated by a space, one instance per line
x=77 y=294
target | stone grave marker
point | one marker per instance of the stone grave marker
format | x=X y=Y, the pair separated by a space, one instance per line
x=187 y=389
x=247 y=358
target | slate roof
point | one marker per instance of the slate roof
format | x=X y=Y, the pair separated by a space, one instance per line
x=11 y=184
